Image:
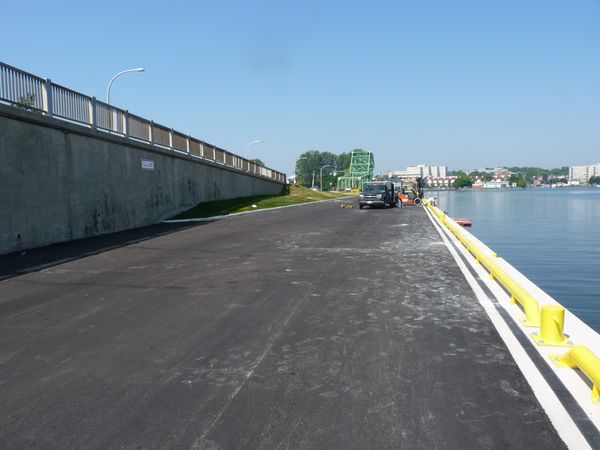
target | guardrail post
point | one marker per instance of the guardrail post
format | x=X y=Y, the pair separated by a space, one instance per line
x=171 y=139
x=126 y=123
x=47 y=97
x=187 y=144
x=151 y=131
x=552 y=326
x=93 y=117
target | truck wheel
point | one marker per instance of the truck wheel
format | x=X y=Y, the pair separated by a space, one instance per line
x=360 y=206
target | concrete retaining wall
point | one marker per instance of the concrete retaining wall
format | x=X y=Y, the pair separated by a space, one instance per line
x=60 y=182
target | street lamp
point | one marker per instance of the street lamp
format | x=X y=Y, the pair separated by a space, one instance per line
x=321 y=176
x=139 y=69
x=257 y=141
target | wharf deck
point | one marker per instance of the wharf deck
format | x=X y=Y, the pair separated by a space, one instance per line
x=308 y=327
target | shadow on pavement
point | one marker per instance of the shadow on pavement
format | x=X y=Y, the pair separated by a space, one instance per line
x=20 y=263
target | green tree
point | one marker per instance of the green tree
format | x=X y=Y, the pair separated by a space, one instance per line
x=463 y=181
x=309 y=164
x=594 y=180
x=564 y=171
x=258 y=162
x=529 y=173
x=343 y=161
x=518 y=181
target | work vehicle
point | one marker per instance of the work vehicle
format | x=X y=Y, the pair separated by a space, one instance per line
x=408 y=193
x=378 y=193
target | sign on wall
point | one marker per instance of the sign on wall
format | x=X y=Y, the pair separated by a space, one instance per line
x=147 y=164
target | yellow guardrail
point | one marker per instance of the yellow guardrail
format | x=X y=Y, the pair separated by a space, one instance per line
x=583 y=358
x=551 y=317
x=518 y=294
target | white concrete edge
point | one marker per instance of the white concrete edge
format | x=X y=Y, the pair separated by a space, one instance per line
x=559 y=417
x=213 y=218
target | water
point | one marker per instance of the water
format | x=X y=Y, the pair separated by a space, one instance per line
x=552 y=236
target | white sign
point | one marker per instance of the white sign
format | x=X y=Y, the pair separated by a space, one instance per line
x=147 y=164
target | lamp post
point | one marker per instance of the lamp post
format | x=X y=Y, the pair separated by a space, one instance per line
x=257 y=141
x=321 y=176
x=139 y=69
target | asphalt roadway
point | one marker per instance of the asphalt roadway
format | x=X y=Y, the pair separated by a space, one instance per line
x=313 y=327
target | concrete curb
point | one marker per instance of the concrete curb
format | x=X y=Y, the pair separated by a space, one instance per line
x=215 y=218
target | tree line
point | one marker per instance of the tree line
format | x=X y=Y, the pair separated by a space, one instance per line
x=309 y=164
x=520 y=176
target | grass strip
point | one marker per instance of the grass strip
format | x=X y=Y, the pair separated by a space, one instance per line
x=294 y=195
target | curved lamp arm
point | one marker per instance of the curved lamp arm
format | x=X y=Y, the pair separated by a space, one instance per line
x=139 y=69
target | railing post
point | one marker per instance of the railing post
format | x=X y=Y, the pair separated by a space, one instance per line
x=47 y=97
x=188 y=147
x=126 y=123
x=151 y=131
x=171 y=139
x=93 y=117
x=202 y=149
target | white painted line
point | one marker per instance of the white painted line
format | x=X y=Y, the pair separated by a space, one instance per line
x=560 y=418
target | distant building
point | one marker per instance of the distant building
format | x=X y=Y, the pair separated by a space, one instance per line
x=422 y=171
x=497 y=182
x=584 y=173
x=439 y=182
x=496 y=171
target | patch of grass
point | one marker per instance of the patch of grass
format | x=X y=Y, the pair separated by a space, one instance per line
x=295 y=195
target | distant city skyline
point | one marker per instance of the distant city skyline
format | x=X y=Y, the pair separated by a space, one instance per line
x=469 y=84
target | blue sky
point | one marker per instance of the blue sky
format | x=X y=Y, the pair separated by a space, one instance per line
x=467 y=84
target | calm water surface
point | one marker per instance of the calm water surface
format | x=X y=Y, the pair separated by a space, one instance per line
x=552 y=236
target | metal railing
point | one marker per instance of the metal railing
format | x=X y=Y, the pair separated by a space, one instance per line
x=28 y=91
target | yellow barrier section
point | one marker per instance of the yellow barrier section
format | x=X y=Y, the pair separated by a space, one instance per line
x=518 y=294
x=582 y=357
